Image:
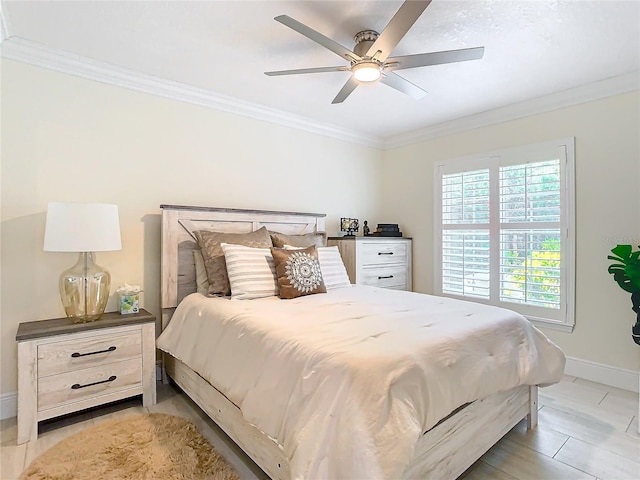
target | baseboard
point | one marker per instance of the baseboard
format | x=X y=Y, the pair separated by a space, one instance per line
x=8 y=405
x=605 y=374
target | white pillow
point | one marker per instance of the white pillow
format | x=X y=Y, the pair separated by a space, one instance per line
x=251 y=271
x=202 y=282
x=333 y=271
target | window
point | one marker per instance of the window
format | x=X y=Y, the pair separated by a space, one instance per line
x=505 y=230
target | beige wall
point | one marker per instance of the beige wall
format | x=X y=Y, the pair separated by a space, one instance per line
x=69 y=139
x=607 y=204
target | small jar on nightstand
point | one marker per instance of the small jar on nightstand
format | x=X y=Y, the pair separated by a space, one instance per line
x=64 y=367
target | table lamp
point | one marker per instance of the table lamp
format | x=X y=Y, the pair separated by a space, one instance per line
x=84 y=228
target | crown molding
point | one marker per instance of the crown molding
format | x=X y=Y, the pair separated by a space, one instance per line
x=22 y=50
x=33 y=53
x=585 y=93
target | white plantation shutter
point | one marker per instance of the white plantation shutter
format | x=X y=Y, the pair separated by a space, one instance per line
x=530 y=192
x=530 y=267
x=505 y=230
x=530 y=257
x=465 y=197
x=465 y=262
x=465 y=251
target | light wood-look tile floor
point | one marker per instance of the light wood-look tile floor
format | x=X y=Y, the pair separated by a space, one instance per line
x=586 y=431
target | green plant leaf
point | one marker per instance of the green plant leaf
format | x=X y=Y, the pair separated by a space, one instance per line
x=626 y=272
x=623 y=251
x=633 y=273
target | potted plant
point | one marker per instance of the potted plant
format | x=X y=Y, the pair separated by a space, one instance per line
x=626 y=272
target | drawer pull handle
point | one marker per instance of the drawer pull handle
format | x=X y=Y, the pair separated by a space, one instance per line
x=388 y=276
x=76 y=386
x=76 y=354
x=385 y=253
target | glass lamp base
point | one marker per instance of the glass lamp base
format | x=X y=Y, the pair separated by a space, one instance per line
x=84 y=289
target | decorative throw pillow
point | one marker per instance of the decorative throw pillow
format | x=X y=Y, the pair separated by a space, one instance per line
x=214 y=260
x=251 y=271
x=334 y=272
x=202 y=283
x=298 y=272
x=280 y=239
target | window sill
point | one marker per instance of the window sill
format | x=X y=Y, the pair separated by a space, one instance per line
x=551 y=325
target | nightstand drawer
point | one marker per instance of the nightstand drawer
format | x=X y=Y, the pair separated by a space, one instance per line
x=72 y=387
x=385 y=276
x=380 y=253
x=71 y=355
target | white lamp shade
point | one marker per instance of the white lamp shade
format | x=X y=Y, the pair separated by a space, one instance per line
x=82 y=227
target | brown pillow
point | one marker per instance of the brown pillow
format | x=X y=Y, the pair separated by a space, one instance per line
x=213 y=255
x=298 y=272
x=280 y=240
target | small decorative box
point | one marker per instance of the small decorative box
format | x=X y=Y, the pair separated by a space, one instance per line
x=129 y=299
x=129 y=304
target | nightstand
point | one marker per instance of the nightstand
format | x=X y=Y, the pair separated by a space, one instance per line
x=376 y=261
x=64 y=367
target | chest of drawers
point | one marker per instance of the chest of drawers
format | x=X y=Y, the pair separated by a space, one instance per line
x=65 y=367
x=376 y=261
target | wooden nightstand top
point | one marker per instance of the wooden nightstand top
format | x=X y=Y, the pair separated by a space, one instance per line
x=61 y=326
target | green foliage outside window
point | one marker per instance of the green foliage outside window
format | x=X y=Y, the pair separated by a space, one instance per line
x=538 y=273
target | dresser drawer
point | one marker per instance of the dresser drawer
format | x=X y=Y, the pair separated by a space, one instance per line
x=71 y=355
x=385 y=276
x=71 y=387
x=382 y=253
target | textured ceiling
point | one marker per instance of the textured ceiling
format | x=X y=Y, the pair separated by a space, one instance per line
x=532 y=49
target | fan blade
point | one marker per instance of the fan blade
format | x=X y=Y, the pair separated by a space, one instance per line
x=307 y=70
x=399 y=25
x=349 y=87
x=403 y=85
x=434 y=58
x=318 y=37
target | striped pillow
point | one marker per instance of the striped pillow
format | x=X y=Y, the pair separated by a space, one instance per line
x=333 y=272
x=251 y=271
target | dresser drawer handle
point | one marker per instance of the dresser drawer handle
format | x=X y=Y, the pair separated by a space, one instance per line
x=388 y=276
x=76 y=354
x=385 y=253
x=76 y=386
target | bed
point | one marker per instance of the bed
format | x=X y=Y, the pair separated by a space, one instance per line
x=449 y=438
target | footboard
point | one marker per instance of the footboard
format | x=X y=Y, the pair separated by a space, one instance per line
x=258 y=446
x=448 y=449
x=444 y=452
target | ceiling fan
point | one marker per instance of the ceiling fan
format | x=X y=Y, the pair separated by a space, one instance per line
x=370 y=59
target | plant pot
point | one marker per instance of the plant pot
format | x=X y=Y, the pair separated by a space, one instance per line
x=635 y=333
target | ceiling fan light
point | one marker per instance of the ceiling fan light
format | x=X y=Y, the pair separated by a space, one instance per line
x=366 y=71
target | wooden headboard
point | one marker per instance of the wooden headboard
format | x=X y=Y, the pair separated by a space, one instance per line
x=178 y=241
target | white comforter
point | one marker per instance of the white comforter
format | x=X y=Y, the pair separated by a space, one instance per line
x=347 y=381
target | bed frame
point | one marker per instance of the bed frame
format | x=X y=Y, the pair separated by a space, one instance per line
x=444 y=452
